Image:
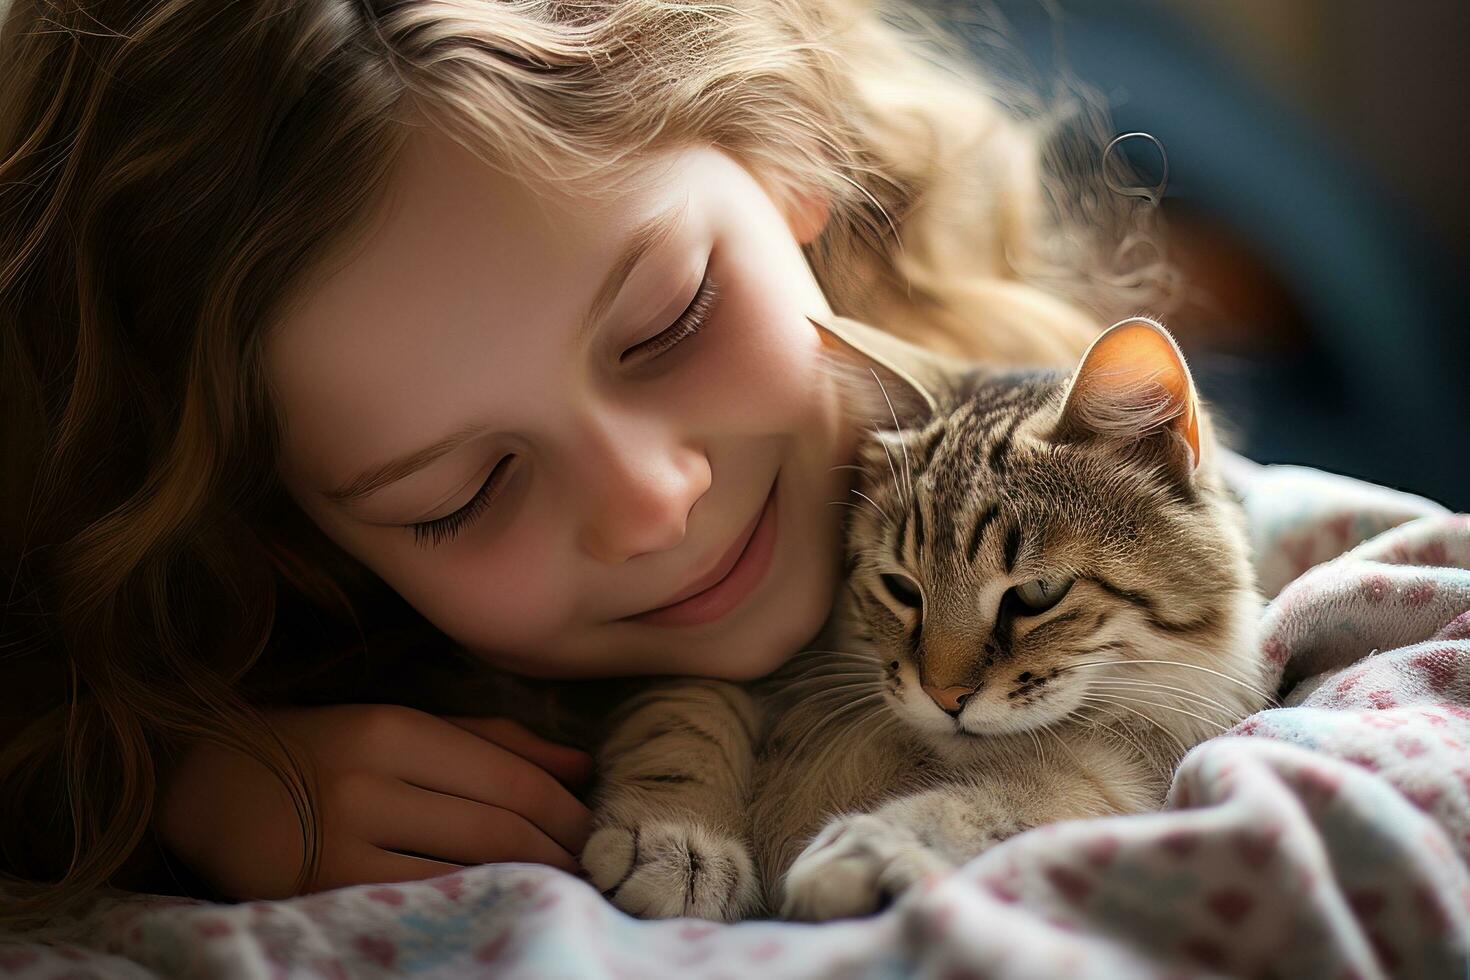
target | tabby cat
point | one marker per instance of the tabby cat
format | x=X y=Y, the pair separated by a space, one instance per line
x=1049 y=601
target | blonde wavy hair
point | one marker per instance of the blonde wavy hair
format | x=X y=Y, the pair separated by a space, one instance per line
x=171 y=169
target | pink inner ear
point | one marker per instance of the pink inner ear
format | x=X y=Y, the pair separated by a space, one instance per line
x=1118 y=385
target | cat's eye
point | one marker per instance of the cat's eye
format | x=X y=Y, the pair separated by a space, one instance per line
x=1039 y=595
x=903 y=589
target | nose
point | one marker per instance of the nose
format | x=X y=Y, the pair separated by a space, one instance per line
x=638 y=483
x=951 y=700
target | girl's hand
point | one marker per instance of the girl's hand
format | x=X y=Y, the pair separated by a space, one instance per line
x=450 y=791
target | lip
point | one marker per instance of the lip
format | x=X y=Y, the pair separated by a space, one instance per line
x=733 y=578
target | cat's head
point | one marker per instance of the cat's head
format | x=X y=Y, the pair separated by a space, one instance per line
x=1021 y=541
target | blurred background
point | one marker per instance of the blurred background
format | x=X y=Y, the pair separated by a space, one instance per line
x=1317 y=194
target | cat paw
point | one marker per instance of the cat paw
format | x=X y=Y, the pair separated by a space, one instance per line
x=855 y=866
x=665 y=870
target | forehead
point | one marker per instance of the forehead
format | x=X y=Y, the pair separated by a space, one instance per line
x=451 y=228
x=460 y=265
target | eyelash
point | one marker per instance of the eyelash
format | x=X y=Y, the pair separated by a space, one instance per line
x=443 y=528
x=689 y=323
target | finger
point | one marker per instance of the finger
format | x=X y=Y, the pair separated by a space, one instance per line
x=572 y=766
x=445 y=758
x=451 y=829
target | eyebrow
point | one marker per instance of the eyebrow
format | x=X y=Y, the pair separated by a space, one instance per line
x=646 y=237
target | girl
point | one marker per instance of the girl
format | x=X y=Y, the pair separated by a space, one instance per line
x=339 y=334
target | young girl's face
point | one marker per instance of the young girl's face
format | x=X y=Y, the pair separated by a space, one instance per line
x=544 y=441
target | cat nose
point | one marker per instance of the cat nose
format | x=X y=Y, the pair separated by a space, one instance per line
x=949 y=699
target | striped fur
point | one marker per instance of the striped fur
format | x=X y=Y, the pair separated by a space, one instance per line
x=860 y=783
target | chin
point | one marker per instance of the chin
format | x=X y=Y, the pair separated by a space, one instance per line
x=748 y=662
x=777 y=643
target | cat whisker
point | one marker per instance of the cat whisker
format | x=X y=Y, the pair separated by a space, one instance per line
x=884 y=726
x=870 y=500
x=872 y=674
x=847 y=503
x=1270 y=699
x=1040 y=752
x=845 y=691
x=1182 y=693
x=1166 y=707
x=897 y=488
x=1118 y=732
x=1183 y=749
x=846 y=712
x=846 y=679
x=837 y=653
x=1063 y=745
x=898 y=427
x=837 y=659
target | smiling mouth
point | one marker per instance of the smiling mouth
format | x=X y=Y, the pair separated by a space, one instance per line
x=734 y=577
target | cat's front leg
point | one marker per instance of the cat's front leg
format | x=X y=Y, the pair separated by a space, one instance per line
x=671 y=833
x=860 y=863
x=857 y=864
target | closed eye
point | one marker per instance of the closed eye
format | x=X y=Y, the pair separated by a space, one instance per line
x=689 y=323
x=443 y=528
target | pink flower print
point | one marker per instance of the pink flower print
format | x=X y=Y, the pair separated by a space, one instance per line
x=213 y=928
x=377 y=949
x=1257 y=848
x=1374 y=588
x=1230 y=905
x=1433 y=553
x=768 y=950
x=1382 y=699
x=1073 y=886
x=388 y=896
x=1439 y=667
x=1419 y=594
x=450 y=886
x=1179 y=843
x=1101 y=850
x=1319 y=783
x=494 y=949
x=1424 y=797
x=1456 y=629
x=1409 y=748
x=1367 y=903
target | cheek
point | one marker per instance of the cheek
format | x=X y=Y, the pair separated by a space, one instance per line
x=757 y=368
x=486 y=598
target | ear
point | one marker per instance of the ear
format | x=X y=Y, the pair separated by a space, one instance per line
x=882 y=377
x=806 y=215
x=1132 y=384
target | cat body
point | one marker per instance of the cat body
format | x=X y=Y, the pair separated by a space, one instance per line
x=1048 y=602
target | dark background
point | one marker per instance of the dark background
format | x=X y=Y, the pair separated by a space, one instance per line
x=1318 y=195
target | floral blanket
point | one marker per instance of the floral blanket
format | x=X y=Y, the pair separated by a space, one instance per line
x=1325 y=838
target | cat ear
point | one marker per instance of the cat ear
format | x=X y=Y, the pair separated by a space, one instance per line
x=1132 y=383
x=882 y=377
